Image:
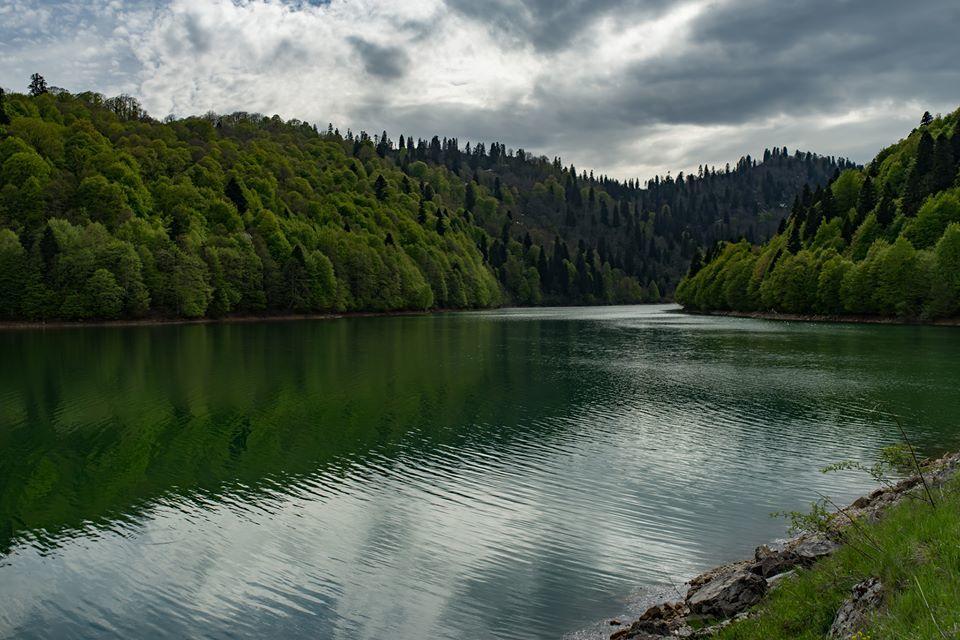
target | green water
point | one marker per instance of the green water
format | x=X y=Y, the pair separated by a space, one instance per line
x=508 y=474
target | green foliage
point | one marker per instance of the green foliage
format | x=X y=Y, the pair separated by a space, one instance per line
x=13 y=265
x=244 y=214
x=945 y=295
x=829 y=285
x=116 y=215
x=914 y=550
x=894 y=252
x=104 y=295
x=934 y=216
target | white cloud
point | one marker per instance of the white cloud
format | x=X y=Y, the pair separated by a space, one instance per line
x=628 y=88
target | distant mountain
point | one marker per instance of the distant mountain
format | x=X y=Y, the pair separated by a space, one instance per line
x=107 y=213
x=883 y=240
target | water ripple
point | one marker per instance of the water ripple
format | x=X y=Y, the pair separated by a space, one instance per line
x=508 y=474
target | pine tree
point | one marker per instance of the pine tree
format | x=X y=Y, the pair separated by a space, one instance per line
x=918 y=181
x=37 y=85
x=943 y=170
x=793 y=242
x=886 y=210
x=867 y=199
x=380 y=188
x=4 y=118
x=234 y=192
x=926 y=119
x=696 y=263
x=470 y=200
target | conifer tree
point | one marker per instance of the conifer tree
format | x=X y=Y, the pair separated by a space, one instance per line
x=380 y=188
x=866 y=199
x=917 y=187
x=470 y=200
x=234 y=192
x=943 y=170
x=886 y=210
x=37 y=85
x=4 y=118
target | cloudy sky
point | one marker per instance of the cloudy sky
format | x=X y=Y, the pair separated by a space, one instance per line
x=625 y=87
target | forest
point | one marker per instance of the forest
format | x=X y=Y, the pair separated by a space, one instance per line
x=108 y=213
x=883 y=240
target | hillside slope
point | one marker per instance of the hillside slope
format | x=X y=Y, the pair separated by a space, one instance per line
x=884 y=241
x=107 y=213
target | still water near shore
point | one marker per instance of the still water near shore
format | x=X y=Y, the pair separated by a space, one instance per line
x=503 y=474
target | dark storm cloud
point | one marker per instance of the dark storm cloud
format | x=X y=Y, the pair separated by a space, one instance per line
x=754 y=59
x=621 y=86
x=550 y=25
x=745 y=62
x=380 y=61
x=758 y=57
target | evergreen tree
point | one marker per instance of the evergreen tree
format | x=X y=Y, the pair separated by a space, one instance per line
x=37 y=85
x=470 y=201
x=380 y=188
x=696 y=263
x=866 y=199
x=918 y=181
x=943 y=169
x=926 y=119
x=4 y=118
x=234 y=192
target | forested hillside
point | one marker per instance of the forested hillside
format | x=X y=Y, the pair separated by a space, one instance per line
x=108 y=213
x=648 y=231
x=884 y=240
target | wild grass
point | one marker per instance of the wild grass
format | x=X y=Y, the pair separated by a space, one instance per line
x=914 y=550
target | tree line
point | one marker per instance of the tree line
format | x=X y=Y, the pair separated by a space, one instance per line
x=108 y=213
x=646 y=230
x=883 y=240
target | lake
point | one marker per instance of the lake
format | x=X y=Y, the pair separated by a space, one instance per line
x=501 y=474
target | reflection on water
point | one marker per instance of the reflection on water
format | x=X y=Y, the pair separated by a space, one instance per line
x=511 y=474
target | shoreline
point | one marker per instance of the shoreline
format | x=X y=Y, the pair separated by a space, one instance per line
x=157 y=321
x=842 y=319
x=734 y=591
x=15 y=325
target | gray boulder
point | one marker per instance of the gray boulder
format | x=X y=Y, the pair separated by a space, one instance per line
x=811 y=548
x=771 y=562
x=727 y=594
x=853 y=615
x=658 y=621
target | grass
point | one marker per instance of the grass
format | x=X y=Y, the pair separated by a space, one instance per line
x=914 y=550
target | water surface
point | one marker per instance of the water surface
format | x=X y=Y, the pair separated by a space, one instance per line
x=506 y=474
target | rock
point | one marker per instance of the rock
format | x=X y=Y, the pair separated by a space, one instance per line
x=810 y=548
x=658 y=621
x=635 y=634
x=770 y=562
x=727 y=594
x=615 y=623
x=773 y=581
x=665 y=611
x=865 y=501
x=865 y=599
x=710 y=575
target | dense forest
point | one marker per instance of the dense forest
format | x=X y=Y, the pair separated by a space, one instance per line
x=108 y=213
x=883 y=240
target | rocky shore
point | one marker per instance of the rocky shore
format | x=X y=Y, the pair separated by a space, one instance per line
x=726 y=594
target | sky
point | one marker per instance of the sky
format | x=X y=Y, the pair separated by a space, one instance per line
x=629 y=88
